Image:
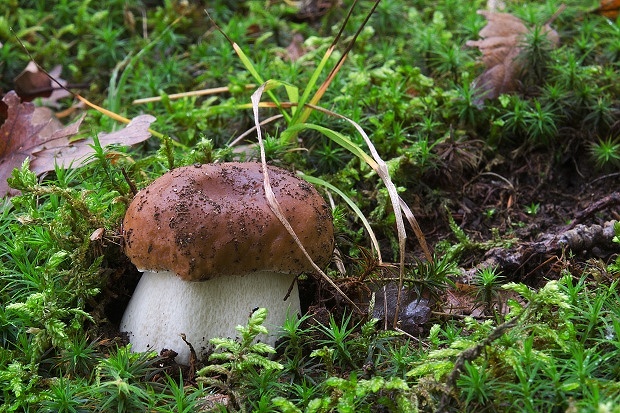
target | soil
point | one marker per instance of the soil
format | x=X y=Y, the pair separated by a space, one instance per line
x=546 y=214
x=501 y=196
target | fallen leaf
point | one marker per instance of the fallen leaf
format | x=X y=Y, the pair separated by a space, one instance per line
x=35 y=133
x=20 y=135
x=60 y=150
x=312 y=9
x=608 y=8
x=97 y=234
x=501 y=46
x=296 y=49
x=33 y=83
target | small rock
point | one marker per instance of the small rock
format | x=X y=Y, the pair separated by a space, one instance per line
x=414 y=311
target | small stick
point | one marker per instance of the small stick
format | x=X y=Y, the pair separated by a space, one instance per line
x=203 y=92
x=609 y=200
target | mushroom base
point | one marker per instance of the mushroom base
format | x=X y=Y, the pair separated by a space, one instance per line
x=163 y=307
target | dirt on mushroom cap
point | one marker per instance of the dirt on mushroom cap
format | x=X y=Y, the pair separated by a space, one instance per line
x=212 y=220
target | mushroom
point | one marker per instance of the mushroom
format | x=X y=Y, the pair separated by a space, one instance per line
x=211 y=250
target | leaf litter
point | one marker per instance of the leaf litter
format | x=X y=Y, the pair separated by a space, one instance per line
x=501 y=45
x=32 y=83
x=35 y=133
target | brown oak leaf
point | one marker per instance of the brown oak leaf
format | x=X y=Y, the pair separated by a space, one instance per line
x=609 y=9
x=501 y=45
x=32 y=83
x=61 y=150
x=35 y=133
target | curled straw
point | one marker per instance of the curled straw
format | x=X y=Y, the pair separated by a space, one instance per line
x=273 y=202
x=398 y=204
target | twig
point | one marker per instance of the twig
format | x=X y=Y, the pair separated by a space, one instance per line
x=132 y=185
x=610 y=200
x=193 y=359
x=470 y=354
x=202 y=92
x=600 y=178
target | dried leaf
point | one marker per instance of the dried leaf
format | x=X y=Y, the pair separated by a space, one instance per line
x=30 y=132
x=313 y=9
x=32 y=83
x=296 y=49
x=609 y=9
x=60 y=150
x=500 y=46
x=20 y=135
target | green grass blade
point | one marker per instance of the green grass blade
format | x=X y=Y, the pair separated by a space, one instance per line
x=302 y=116
x=337 y=137
x=318 y=181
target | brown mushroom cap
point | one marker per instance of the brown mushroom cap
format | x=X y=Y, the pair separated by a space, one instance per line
x=212 y=220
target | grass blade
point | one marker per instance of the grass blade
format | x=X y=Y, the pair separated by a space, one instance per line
x=275 y=205
x=352 y=205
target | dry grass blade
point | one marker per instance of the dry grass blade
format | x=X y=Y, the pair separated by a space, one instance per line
x=416 y=229
x=252 y=129
x=380 y=167
x=202 y=92
x=372 y=162
x=273 y=202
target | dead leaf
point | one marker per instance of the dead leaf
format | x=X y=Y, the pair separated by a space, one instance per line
x=609 y=9
x=33 y=83
x=60 y=150
x=20 y=135
x=501 y=46
x=296 y=49
x=313 y=9
x=35 y=133
x=97 y=234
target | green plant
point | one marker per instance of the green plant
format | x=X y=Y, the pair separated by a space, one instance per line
x=300 y=394
x=357 y=395
x=293 y=339
x=122 y=381
x=487 y=283
x=515 y=118
x=478 y=385
x=337 y=338
x=47 y=317
x=432 y=277
x=536 y=56
x=65 y=396
x=179 y=398
x=614 y=267
x=404 y=95
x=18 y=382
x=540 y=123
x=600 y=115
x=328 y=158
x=262 y=386
x=605 y=153
x=239 y=358
x=449 y=59
x=399 y=357
x=78 y=358
x=466 y=105
x=532 y=209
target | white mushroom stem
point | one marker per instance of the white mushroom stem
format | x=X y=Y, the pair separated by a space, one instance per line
x=164 y=306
